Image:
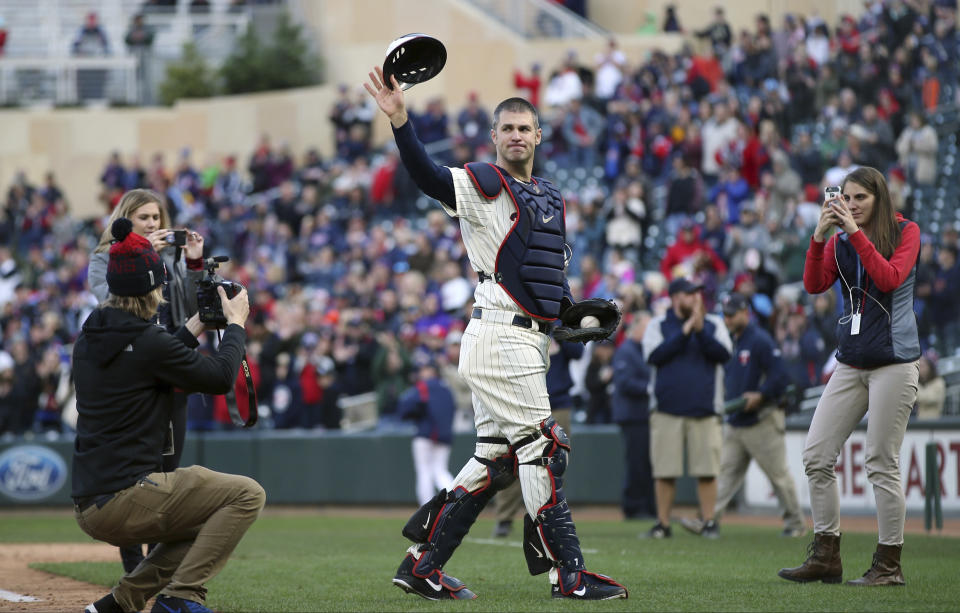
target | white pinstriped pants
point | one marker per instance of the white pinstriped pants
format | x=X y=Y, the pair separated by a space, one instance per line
x=506 y=369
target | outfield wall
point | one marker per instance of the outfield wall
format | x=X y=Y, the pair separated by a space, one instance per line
x=367 y=468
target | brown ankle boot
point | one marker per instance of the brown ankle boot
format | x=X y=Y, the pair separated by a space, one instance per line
x=885 y=569
x=822 y=564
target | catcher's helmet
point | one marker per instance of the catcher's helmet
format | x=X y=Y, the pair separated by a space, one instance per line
x=414 y=58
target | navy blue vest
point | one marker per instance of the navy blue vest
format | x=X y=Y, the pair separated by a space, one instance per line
x=530 y=262
x=887 y=335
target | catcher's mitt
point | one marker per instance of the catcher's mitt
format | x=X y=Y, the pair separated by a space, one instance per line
x=605 y=310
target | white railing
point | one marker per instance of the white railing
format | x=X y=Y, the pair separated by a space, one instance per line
x=539 y=19
x=68 y=80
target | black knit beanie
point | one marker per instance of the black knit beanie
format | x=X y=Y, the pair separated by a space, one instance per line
x=135 y=268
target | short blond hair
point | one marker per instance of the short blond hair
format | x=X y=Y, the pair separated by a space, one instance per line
x=144 y=307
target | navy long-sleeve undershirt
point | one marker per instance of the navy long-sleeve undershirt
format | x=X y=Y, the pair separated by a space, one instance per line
x=434 y=181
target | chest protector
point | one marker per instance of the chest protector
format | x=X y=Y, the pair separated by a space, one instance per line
x=530 y=260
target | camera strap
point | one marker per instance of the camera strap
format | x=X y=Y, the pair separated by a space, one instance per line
x=237 y=392
x=242 y=388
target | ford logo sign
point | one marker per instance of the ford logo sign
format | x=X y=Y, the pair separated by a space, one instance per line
x=31 y=472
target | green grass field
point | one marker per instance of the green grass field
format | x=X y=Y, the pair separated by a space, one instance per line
x=342 y=563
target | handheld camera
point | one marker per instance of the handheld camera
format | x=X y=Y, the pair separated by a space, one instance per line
x=831 y=192
x=178 y=238
x=208 y=300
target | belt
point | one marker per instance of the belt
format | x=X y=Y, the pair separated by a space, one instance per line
x=517 y=320
x=85 y=502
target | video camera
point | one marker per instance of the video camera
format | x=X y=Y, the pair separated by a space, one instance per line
x=208 y=300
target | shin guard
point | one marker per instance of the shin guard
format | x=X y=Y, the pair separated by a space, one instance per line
x=439 y=526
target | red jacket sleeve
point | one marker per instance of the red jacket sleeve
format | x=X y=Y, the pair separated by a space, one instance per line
x=820 y=267
x=888 y=275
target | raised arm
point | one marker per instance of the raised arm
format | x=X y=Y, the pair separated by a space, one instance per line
x=435 y=181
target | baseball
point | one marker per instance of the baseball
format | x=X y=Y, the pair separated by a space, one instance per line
x=589 y=322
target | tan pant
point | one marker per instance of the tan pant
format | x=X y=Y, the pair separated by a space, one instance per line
x=672 y=436
x=510 y=500
x=197 y=517
x=889 y=392
x=763 y=442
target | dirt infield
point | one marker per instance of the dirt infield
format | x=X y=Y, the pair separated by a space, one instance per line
x=55 y=593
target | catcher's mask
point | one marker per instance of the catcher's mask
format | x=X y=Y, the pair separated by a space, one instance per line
x=413 y=58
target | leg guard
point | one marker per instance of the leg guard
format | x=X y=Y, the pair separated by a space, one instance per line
x=439 y=526
x=548 y=447
x=550 y=540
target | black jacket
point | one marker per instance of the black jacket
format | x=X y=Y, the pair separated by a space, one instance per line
x=125 y=370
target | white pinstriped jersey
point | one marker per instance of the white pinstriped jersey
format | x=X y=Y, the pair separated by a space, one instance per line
x=484 y=224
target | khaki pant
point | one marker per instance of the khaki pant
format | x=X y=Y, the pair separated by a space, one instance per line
x=673 y=437
x=763 y=442
x=510 y=500
x=889 y=392
x=197 y=517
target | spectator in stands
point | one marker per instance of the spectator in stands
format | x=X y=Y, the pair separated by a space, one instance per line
x=610 y=65
x=685 y=345
x=734 y=189
x=390 y=368
x=718 y=32
x=139 y=39
x=430 y=405
x=671 y=23
x=943 y=300
x=931 y=390
x=474 y=124
x=917 y=150
x=582 y=130
x=718 y=132
x=91 y=41
x=629 y=402
x=688 y=253
x=529 y=85
x=598 y=382
x=625 y=213
x=564 y=84
x=684 y=192
x=432 y=124
x=748 y=234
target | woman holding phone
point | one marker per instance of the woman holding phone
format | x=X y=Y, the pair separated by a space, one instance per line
x=146 y=209
x=874 y=254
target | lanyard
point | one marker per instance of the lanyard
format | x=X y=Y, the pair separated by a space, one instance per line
x=861 y=274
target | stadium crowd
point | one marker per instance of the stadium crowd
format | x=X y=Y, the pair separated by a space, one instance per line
x=709 y=163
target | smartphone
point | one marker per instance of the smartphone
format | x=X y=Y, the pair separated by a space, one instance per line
x=178 y=238
x=831 y=192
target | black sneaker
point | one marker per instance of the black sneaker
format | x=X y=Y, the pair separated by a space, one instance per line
x=659 y=531
x=435 y=586
x=711 y=530
x=502 y=529
x=173 y=604
x=107 y=604
x=590 y=586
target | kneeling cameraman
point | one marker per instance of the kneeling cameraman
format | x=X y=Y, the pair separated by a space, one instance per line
x=126 y=370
